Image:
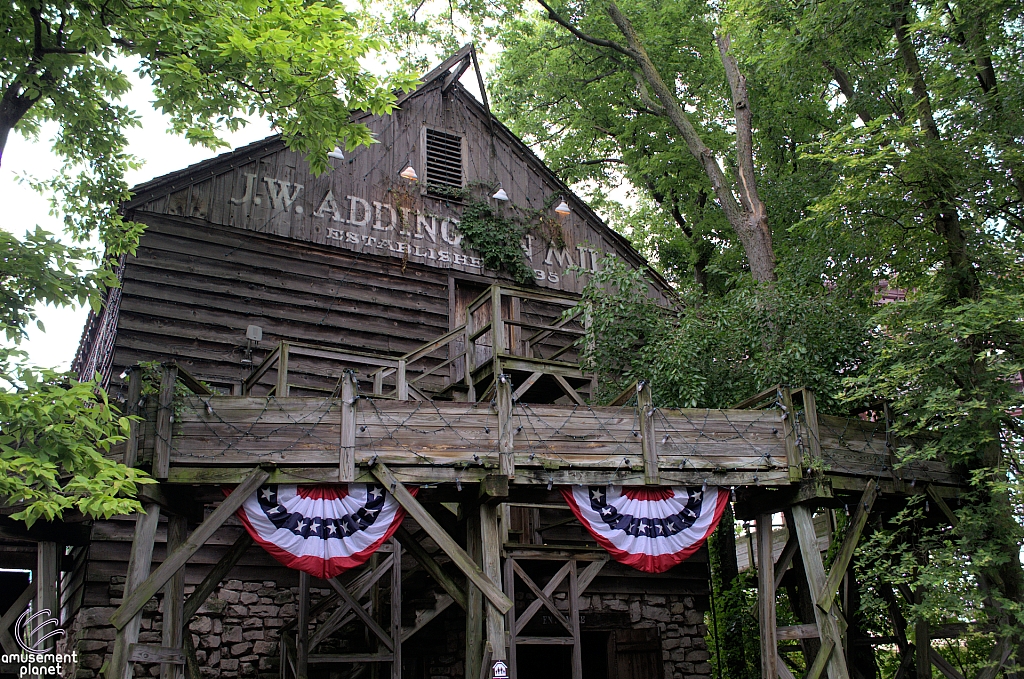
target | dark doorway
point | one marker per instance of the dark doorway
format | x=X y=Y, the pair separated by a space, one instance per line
x=544 y=662
x=634 y=654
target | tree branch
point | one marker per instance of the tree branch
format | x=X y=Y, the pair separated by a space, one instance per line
x=600 y=42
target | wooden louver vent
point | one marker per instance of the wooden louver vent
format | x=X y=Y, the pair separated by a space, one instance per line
x=444 y=159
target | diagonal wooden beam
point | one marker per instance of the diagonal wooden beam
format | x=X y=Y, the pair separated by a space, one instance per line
x=440 y=606
x=421 y=555
x=535 y=605
x=544 y=598
x=362 y=614
x=943 y=665
x=525 y=386
x=823 y=657
x=441 y=537
x=158 y=578
x=589 y=573
x=216 y=574
x=827 y=595
x=12 y=614
x=569 y=391
x=342 y=615
x=786 y=558
x=814 y=570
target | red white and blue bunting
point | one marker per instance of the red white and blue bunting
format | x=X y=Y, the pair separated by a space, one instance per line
x=323 y=530
x=650 y=529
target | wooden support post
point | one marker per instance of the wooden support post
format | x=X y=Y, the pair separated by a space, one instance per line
x=503 y=402
x=281 y=389
x=474 y=598
x=401 y=383
x=347 y=456
x=164 y=421
x=922 y=642
x=138 y=595
x=811 y=415
x=497 y=331
x=191 y=659
x=814 y=569
x=826 y=596
x=794 y=456
x=786 y=559
x=574 y=620
x=648 y=439
x=766 y=597
x=220 y=570
x=490 y=540
x=470 y=357
x=302 y=631
x=131 y=447
x=396 y=609
x=510 y=617
x=428 y=523
x=47 y=569
x=139 y=560
x=174 y=598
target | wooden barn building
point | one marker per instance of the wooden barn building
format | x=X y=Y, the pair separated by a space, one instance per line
x=276 y=327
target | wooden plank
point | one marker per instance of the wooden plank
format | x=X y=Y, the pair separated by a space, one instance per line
x=396 y=608
x=503 y=403
x=828 y=626
x=343 y=614
x=648 y=438
x=545 y=641
x=164 y=422
x=131 y=448
x=766 y=597
x=144 y=591
x=302 y=628
x=525 y=386
x=435 y=571
x=331 y=658
x=220 y=570
x=943 y=507
x=569 y=391
x=757 y=398
x=811 y=415
x=138 y=570
x=797 y=632
x=441 y=537
x=151 y=653
x=347 y=456
x=826 y=597
x=174 y=601
x=475 y=629
x=193 y=385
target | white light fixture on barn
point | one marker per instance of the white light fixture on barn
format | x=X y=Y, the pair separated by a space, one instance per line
x=336 y=154
x=563 y=208
x=500 y=194
x=409 y=173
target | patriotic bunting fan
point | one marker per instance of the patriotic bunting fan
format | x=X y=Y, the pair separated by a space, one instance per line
x=650 y=529
x=323 y=530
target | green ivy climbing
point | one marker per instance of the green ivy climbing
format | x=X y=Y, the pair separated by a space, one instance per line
x=498 y=239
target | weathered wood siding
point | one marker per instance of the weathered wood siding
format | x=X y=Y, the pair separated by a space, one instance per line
x=193 y=288
x=364 y=206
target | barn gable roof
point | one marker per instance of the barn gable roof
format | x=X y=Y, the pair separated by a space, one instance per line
x=447 y=75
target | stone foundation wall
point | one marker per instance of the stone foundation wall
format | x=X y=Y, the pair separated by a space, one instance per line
x=237 y=631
